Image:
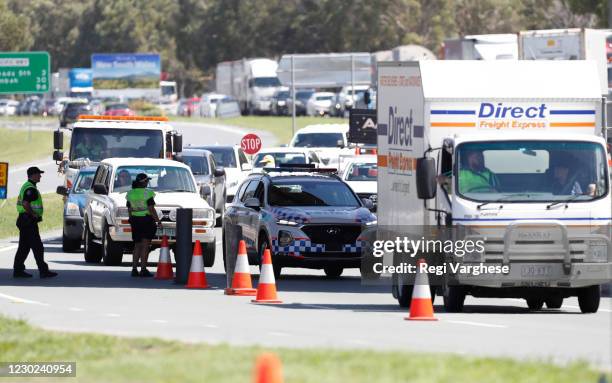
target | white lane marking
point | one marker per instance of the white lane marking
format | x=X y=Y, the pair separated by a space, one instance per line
x=210 y=325
x=159 y=321
x=477 y=324
x=7 y=248
x=276 y=333
x=21 y=300
x=112 y=315
x=76 y=309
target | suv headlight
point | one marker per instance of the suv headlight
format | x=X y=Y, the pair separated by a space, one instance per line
x=203 y=213
x=72 y=209
x=286 y=222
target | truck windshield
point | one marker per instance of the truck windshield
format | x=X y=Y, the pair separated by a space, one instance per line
x=266 y=82
x=163 y=179
x=311 y=193
x=97 y=143
x=531 y=171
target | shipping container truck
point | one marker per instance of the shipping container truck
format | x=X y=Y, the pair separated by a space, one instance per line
x=567 y=44
x=509 y=155
x=251 y=81
x=502 y=46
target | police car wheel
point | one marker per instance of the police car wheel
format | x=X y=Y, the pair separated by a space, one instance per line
x=454 y=298
x=333 y=271
x=93 y=253
x=588 y=299
x=535 y=303
x=554 y=302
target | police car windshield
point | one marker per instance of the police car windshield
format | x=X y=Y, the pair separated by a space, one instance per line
x=97 y=143
x=362 y=172
x=279 y=158
x=318 y=140
x=163 y=179
x=223 y=156
x=83 y=182
x=531 y=171
x=314 y=192
x=198 y=164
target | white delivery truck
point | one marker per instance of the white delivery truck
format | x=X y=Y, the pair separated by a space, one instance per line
x=510 y=152
x=567 y=44
x=251 y=81
x=501 y=46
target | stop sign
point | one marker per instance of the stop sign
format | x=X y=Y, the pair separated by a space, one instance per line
x=250 y=143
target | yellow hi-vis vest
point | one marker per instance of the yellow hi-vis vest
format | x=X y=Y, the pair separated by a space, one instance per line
x=138 y=198
x=37 y=205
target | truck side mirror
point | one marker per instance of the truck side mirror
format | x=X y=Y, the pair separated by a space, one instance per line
x=100 y=189
x=426 y=178
x=177 y=146
x=58 y=156
x=58 y=140
x=62 y=190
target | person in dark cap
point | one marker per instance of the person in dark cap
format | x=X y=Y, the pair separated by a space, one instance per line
x=30 y=209
x=144 y=222
x=564 y=180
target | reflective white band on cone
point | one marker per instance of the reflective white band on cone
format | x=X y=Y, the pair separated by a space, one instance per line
x=197 y=264
x=267 y=274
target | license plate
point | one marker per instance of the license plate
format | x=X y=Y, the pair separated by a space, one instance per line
x=536 y=271
x=170 y=232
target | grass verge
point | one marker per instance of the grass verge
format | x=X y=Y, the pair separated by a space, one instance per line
x=280 y=126
x=102 y=358
x=52 y=217
x=15 y=148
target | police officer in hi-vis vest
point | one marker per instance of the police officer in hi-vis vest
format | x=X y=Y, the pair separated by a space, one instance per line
x=30 y=209
x=144 y=222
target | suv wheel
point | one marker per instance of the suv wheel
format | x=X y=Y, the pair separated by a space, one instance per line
x=112 y=253
x=554 y=302
x=208 y=252
x=93 y=253
x=454 y=298
x=535 y=304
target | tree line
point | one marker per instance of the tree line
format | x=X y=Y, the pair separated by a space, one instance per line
x=192 y=36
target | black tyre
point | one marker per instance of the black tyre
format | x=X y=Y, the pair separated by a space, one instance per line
x=404 y=295
x=535 y=304
x=333 y=271
x=208 y=252
x=454 y=298
x=92 y=251
x=554 y=302
x=588 y=299
x=263 y=245
x=112 y=252
x=69 y=245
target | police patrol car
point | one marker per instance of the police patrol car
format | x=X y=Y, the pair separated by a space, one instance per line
x=307 y=217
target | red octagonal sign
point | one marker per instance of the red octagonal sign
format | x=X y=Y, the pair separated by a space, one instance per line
x=251 y=143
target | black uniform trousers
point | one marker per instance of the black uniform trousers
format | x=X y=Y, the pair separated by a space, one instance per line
x=29 y=239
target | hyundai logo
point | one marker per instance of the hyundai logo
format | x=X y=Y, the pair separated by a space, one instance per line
x=333 y=231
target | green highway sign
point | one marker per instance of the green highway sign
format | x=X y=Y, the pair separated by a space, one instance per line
x=24 y=72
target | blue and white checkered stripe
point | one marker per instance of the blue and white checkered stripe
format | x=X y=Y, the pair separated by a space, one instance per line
x=289 y=215
x=298 y=246
x=354 y=248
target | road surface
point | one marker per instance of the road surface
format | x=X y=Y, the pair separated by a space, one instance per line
x=193 y=133
x=316 y=312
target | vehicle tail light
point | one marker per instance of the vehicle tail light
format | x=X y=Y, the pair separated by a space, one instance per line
x=125 y=221
x=200 y=231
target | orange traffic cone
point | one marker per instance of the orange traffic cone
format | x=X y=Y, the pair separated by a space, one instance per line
x=164 y=265
x=241 y=282
x=268 y=369
x=421 y=307
x=266 y=289
x=197 y=275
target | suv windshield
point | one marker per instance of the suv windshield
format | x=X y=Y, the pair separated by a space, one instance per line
x=223 y=156
x=83 y=182
x=530 y=171
x=163 y=178
x=362 y=172
x=318 y=140
x=198 y=164
x=97 y=144
x=311 y=193
x=280 y=158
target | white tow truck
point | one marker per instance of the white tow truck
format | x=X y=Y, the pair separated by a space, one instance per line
x=94 y=138
x=107 y=231
x=512 y=153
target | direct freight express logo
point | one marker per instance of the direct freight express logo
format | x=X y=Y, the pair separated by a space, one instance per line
x=488 y=115
x=400 y=132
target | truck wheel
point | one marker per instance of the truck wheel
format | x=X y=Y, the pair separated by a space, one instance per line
x=93 y=253
x=333 y=271
x=209 y=253
x=535 y=304
x=404 y=295
x=554 y=302
x=454 y=298
x=588 y=299
x=112 y=252
x=70 y=245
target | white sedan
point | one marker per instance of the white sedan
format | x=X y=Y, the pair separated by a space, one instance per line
x=319 y=104
x=361 y=174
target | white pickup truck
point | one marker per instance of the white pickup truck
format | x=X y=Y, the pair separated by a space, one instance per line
x=107 y=233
